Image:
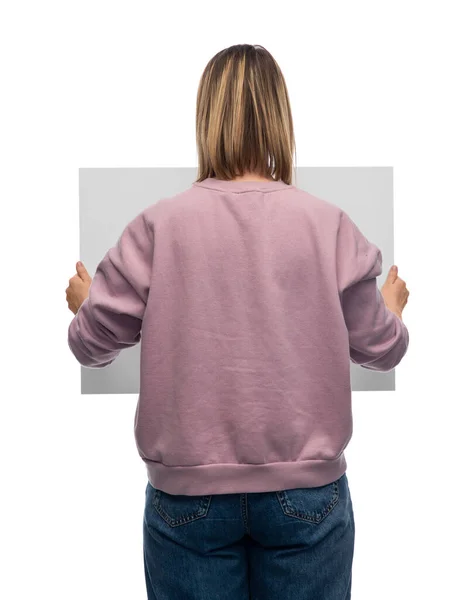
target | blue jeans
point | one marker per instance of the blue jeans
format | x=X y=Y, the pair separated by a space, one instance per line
x=295 y=544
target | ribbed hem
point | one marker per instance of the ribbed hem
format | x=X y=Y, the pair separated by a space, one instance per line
x=238 y=479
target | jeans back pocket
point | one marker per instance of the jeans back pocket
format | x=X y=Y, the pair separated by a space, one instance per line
x=179 y=510
x=310 y=504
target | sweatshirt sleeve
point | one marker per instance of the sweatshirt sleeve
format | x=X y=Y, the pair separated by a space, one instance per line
x=110 y=319
x=378 y=338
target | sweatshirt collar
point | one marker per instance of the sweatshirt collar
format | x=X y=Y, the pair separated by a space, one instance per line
x=241 y=186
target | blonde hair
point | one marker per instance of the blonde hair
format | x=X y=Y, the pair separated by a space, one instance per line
x=243 y=116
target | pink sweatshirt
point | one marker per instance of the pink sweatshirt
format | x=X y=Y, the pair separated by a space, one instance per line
x=249 y=299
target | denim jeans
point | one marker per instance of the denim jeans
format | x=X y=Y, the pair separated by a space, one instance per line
x=294 y=544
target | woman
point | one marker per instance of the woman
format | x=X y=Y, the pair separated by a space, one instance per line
x=250 y=298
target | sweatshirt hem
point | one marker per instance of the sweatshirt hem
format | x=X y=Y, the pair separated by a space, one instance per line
x=243 y=478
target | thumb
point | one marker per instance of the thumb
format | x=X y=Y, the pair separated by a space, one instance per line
x=82 y=271
x=392 y=274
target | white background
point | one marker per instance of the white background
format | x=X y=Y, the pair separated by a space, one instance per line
x=113 y=84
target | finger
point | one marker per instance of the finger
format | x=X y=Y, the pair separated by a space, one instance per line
x=392 y=274
x=82 y=271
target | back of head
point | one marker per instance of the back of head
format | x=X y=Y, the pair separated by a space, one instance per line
x=243 y=117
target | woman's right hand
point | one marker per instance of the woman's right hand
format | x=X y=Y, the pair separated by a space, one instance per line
x=394 y=292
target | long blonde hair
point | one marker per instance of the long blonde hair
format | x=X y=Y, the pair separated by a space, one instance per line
x=243 y=116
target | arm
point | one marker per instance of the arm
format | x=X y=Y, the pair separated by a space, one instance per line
x=378 y=338
x=110 y=319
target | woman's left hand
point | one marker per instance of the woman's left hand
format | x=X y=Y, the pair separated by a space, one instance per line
x=78 y=289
